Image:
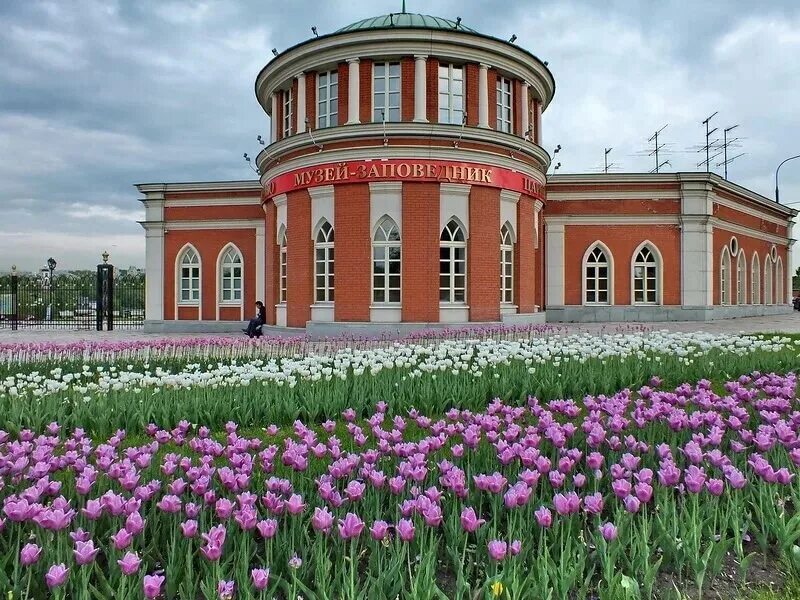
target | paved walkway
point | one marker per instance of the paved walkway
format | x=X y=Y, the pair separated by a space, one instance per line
x=789 y=323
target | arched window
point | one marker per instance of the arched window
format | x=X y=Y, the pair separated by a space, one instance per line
x=323 y=263
x=779 y=297
x=597 y=274
x=452 y=264
x=645 y=277
x=506 y=265
x=741 y=279
x=725 y=277
x=386 y=262
x=768 y=299
x=283 y=278
x=755 y=280
x=189 y=281
x=230 y=274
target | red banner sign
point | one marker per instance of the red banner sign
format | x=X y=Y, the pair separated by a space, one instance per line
x=440 y=171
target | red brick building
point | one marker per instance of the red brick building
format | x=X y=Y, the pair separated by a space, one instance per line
x=404 y=184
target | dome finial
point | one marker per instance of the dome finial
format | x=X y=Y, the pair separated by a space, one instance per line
x=404 y=6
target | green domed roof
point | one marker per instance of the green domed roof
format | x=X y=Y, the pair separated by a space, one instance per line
x=406 y=20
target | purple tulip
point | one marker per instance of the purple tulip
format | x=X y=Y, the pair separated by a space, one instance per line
x=260 y=578
x=515 y=547
x=295 y=562
x=56 y=575
x=632 y=504
x=129 y=564
x=122 y=539
x=225 y=590
x=134 y=523
x=405 y=529
x=350 y=527
x=608 y=531
x=85 y=552
x=593 y=504
x=189 y=528
x=267 y=528
x=694 y=479
x=29 y=554
x=544 y=517
x=152 y=586
x=379 y=530
x=322 y=520
x=295 y=505
x=715 y=486
x=470 y=521
x=497 y=550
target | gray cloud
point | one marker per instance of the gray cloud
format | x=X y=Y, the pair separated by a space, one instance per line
x=96 y=95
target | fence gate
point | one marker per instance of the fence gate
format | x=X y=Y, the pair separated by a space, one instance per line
x=104 y=299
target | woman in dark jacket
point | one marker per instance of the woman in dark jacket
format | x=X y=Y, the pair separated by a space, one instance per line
x=254 y=326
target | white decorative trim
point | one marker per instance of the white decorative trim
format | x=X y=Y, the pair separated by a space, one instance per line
x=420 y=88
x=353 y=91
x=301 y=103
x=260 y=268
x=755 y=261
x=610 y=257
x=193 y=202
x=280 y=217
x=659 y=274
x=280 y=200
x=221 y=224
x=725 y=285
x=273 y=118
x=280 y=315
x=218 y=283
x=385 y=313
x=453 y=313
x=177 y=296
x=454 y=203
x=246 y=185
x=483 y=95
x=321 y=207
x=743 y=230
x=697 y=283
x=154 y=209
x=554 y=243
x=154 y=267
x=612 y=219
x=385 y=198
x=524 y=108
x=322 y=313
x=508 y=210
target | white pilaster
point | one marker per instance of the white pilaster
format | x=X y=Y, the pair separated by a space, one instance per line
x=260 y=256
x=537 y=112
x=483 y=95
x=537 y=209
x=697 y=255
x=353 y=87
x=555 y=264
x=420 y=88
x=301 y=103
x=524 y=108
x=154 y=268
x=273 y=120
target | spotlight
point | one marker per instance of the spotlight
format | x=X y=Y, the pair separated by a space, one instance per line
x=314 y=30
x=260 y=140
x=458 y=22
x=557 y=150
x=275 y=51
x=546 y=63
x=513 y=38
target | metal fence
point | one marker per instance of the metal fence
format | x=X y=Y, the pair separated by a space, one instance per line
x=102 y=300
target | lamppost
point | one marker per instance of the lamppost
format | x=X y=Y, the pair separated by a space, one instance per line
x=777 y=197
x=51 y=265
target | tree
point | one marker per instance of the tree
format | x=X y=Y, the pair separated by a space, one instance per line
x=796 y=280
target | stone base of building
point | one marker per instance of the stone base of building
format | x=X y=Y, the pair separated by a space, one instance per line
x=210 y=327
x=639 y=314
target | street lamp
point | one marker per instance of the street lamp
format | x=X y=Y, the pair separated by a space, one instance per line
x=51 y=264
x=777 y=197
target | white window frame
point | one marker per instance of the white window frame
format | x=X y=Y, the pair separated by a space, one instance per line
x=506 y=264
x=755 y=279
x=330 y=116
x=769 y=275
x=195 y=292
x=741 y=278
x=779 y=282
x=451 y=111
x=657 y=280
x=228 y=282
x=505 y=105
x=609 y=278
x=287 y=113
x=387 y=106
x=282 y=274
x=725 y=277
x=447 y=240
x=381 y=241
x=324 y=266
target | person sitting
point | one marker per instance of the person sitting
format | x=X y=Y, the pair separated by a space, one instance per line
x=254 y=325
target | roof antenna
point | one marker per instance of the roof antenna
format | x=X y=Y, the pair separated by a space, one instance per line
x=383 y=120
x=461 y=134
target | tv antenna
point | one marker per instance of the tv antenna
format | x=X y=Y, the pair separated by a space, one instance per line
x=657 y=148
x=660 y=166
x=709 y=143
x=725 y=144
x=606 y=164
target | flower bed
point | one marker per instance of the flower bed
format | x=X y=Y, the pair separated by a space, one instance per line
x=596 y=496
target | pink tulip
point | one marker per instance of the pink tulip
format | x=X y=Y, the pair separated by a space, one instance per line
x=497 y=550
x=379 y=530
x=405 y=530
x=30 y=554
x=350 y=527
x=152 y=586
x=56 y=575
x=129 y=564
x=470 y=521
x=260 y=578
x=322 y=520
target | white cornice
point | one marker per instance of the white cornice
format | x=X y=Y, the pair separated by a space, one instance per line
x=200 y=186
x=511 y=143
x=754 y=233
x=743 y=208
x=510 y=196
x=319 y=53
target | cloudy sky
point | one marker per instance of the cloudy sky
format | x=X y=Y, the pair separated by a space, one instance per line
x=96 y=95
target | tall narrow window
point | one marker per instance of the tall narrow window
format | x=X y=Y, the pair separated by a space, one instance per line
x=452 y=264
x=645 y=277
x=327 y=99
x=504 y=110
x=386 y=92
x=451 y=94
x=506 y=265
x=755 y=281
x=725 y=277
x=779 y=299
x=189 y=277
x=597 y=272
x=323 y=263
x=287 y=112
x=768 y=281
x=741 y=279
x=283 y=278
x=386 y=263
x=230 y=271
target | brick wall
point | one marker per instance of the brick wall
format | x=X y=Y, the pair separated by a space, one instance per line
x=407 y=82
x=353 y=252
x=432 y=97
x=748 y=245
x=365 y=93
x=300 y=259
x=293 y=125
x=420 y=252
x=473 y=94
x=272 y=261
x=525 y=271
x=344 y=91
x=492 y=77
x=311 y=99
x=483 y=254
